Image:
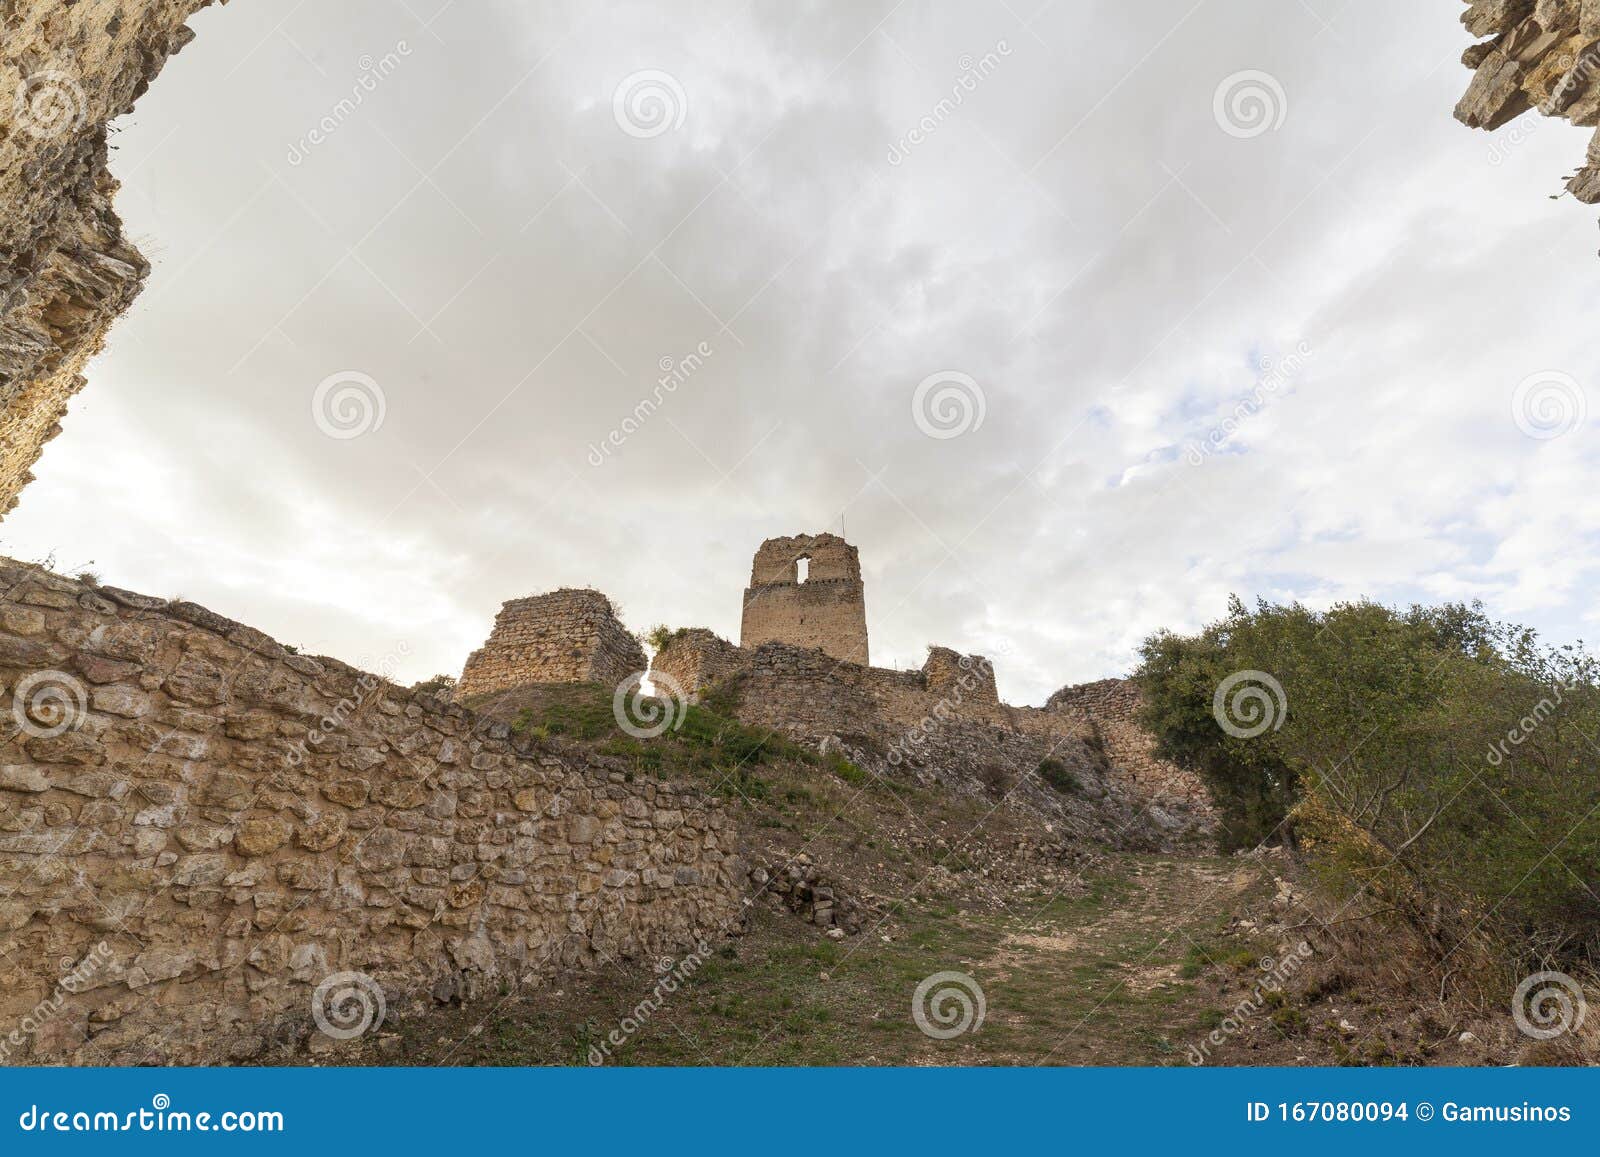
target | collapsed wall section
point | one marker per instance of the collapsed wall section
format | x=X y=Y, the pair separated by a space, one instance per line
x=198 y=827
x=947 y=717
x=1112 y=707
x=566 y=636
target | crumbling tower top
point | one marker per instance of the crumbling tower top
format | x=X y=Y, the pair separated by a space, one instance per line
x=566 y=636
x=806 y=590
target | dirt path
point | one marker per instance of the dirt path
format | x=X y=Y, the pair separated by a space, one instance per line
x=1133 y=970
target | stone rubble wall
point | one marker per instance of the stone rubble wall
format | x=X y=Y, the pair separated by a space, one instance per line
x=1536 y=54
x=66 y=270
x=695 y=659
x=1112 y=707
x=827 y=611
x=947 y=720
x=566 y=636
x=198 y=826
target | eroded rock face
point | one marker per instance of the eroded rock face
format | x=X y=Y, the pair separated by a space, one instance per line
x=199 y=827
x=66 y=271
x=1539 y=54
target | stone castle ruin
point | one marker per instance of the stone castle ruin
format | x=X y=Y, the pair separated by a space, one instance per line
x=807 y=591
x=801 y=667
x=566 y=636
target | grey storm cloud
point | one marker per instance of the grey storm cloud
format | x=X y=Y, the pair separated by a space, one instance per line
x=1209 y=298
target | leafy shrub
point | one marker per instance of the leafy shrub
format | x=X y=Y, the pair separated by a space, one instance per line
x=1431 y=754
x=438 y=685
x=1059 y=776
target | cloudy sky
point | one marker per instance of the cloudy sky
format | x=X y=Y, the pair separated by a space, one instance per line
x=1207 y=297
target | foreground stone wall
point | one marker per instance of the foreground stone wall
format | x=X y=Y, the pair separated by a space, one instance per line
x=66 y=271
x=827 y=611
x=566 y=636
x=198 y=827
x=1543 y=55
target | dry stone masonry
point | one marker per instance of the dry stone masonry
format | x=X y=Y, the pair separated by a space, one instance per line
x=199 y=826
x=946 y=724
x=566 y=636
x=826 y=610
x=66 y=270
x=1111 y=707
x=1542 y=54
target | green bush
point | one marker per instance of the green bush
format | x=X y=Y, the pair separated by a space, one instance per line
x=1059 y=776
x=1449 y=752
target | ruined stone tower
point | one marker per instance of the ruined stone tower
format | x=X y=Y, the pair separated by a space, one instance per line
x=807 y=590
x=566 y=636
